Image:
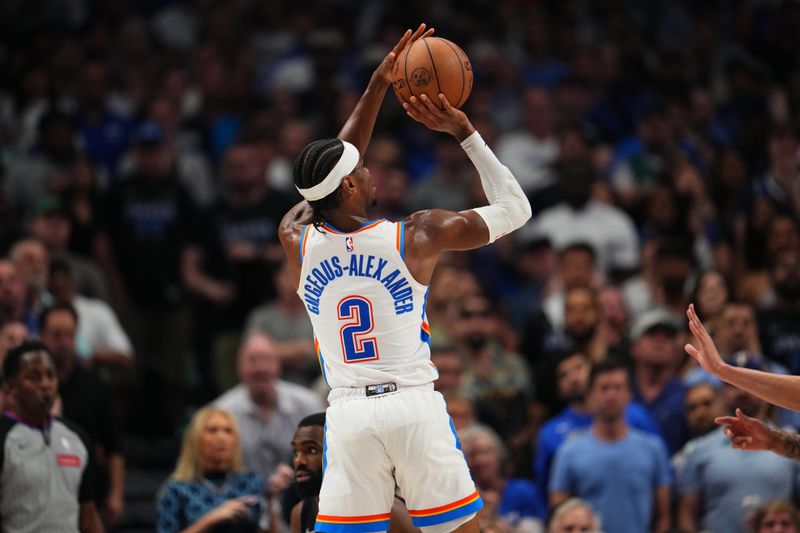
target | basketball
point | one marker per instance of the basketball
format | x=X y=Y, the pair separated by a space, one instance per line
x=431 y=66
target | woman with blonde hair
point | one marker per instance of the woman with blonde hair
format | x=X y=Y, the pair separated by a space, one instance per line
x=776 y=517
x=209 y=491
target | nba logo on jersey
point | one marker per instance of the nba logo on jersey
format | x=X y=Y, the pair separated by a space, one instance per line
x=348 y=244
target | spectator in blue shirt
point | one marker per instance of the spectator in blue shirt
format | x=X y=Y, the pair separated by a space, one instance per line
x=572 y=380
x=657 y=357
x=620 y=471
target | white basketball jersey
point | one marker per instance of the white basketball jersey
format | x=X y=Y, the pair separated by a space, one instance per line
x=367 y=311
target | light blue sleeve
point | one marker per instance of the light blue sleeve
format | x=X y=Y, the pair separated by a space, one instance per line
x=664 y=476
x=691 y=477
x=561 y=473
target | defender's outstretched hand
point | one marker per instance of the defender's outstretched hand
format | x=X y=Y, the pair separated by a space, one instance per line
x=384 y=70
x=705 y=352
x=748 y=433
x=447 y=119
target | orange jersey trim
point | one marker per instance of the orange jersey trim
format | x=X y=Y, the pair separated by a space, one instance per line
x=444 y=508
x=353 y=519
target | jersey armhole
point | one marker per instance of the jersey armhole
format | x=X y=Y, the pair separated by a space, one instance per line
x=303 y=239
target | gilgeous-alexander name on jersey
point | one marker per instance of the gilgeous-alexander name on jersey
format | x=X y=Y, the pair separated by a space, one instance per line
x=367 y=310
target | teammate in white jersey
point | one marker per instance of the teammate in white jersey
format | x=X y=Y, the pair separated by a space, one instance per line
x=364 y=285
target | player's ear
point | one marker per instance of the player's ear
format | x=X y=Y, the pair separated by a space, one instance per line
x=349 y=184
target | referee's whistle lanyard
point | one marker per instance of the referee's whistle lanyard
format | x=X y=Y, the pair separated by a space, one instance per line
x=45 y=429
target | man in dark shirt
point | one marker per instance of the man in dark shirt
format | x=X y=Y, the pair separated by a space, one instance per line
x=87 y=400
x=231 y=257
x=777 y=325
x=46 y=464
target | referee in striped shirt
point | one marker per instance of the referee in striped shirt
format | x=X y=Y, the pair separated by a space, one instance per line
x=46 y=464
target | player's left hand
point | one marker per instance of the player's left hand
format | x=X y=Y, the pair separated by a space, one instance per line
x=705 y=352
x=384 y=70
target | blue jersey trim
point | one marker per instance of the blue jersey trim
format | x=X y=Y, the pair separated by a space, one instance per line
x=403 y=240
x=302 y=242
x=455 y=435
x=368 y=527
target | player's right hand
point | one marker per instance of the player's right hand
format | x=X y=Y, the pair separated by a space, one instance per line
x=448 y=119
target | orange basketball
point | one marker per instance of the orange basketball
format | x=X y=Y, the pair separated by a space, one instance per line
x=431 y=66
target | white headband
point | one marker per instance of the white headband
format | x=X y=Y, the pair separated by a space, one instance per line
x=344 y=167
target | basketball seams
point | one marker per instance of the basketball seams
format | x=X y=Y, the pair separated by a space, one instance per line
x=435 y=73
x=405 y=69
x=461 y=67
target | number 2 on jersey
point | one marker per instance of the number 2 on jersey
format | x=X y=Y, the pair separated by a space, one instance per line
x=356 y=346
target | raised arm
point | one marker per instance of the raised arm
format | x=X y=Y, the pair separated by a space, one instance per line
x=780 y=390
x=429 y=233
x=358 y=128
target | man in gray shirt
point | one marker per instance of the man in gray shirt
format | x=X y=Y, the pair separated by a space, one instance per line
x=721 y=485
x=46 y=464
x=266 y=408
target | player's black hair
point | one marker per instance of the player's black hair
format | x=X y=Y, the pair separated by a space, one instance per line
x=12 y=364
x=317 y=419
x=310 y=168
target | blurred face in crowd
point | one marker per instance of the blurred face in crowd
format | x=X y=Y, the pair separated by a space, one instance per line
x=30 y=260
x=736 y=329
x=612 y=307
x=782 y=235
x=572 y=377
x=451 y=370
x=259 y=365
x=12 y=290
x=778 y=522
x=578 y=519
x=786 y=276
x=243 y=172
x=702 y=406
x=58 y=334
x=51 y=229
x=475 y=322
x=35 y=387
x=712 y=293
x=580 y=314
x=657 y=346
x=483 y=458
x=153 y=160
x=12 y=334
x=461 y=411
x=307 y=459
x=734 y=398
x=576 y=267
x=673 y=270
x=609 y=395
x=61 y=286
x=218 y=442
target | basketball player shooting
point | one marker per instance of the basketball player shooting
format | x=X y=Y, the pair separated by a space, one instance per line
x=364 y=285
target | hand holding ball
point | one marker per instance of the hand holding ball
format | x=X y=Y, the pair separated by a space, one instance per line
x=430 y=66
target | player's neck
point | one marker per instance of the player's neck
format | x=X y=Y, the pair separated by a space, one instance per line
x=347 y=220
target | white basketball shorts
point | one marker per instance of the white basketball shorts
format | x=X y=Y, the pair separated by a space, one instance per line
x=403 y=437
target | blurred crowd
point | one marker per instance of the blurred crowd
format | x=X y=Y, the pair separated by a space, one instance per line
x=146 y=153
